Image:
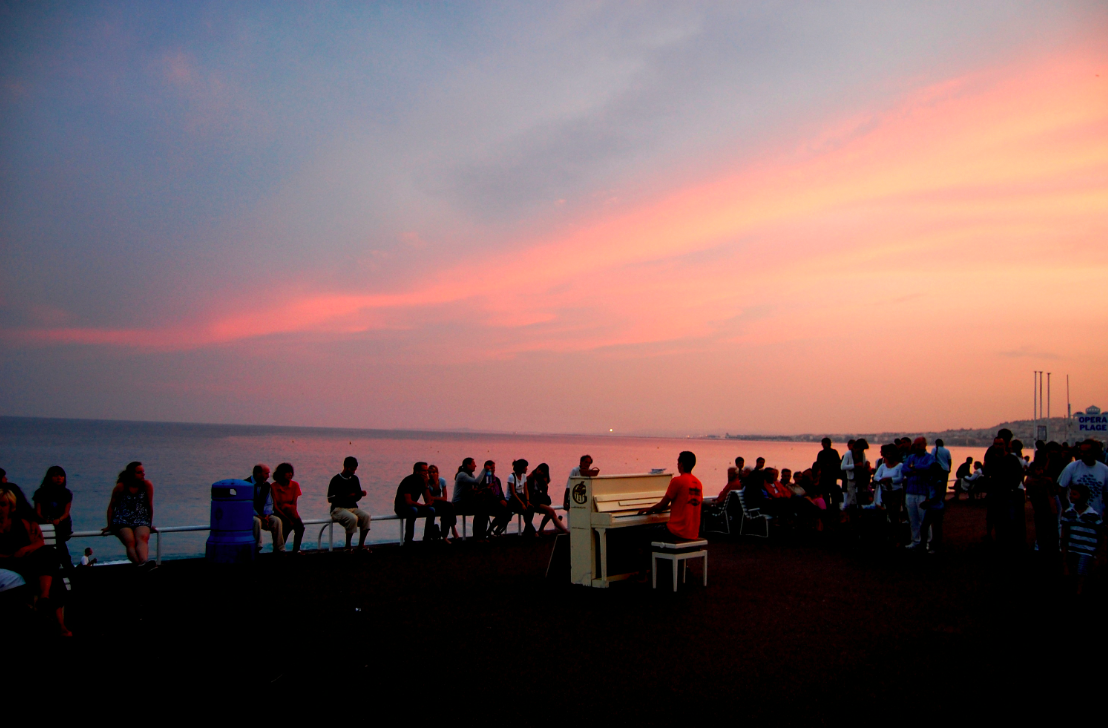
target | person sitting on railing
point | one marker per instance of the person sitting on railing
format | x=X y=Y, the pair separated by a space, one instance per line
x=538 y=490
x=264 y=520
x=344 y=492
x=444 y=509
x=492 y=490
x=286 y=492
x=407 y=505
x=467 y=498
x=23 y=550
x=131 y=513
x=518 y=500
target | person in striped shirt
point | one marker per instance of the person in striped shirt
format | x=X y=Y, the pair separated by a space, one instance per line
x=1082 y=536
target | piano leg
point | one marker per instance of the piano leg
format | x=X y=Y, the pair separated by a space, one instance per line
x=603 y=556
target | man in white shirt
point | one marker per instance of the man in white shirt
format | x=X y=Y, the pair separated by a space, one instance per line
x=847 y=466
x=586 y=469
x=942 y=457
x=1088 y=471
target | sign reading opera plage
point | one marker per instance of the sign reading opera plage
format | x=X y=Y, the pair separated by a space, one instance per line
x=1092 y=423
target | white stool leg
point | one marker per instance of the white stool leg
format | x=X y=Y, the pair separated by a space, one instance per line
x=675 y=565
x=705 y=568
x=654 y=570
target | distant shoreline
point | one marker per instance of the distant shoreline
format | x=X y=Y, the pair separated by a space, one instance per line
x=978 y=437
x=957 y=437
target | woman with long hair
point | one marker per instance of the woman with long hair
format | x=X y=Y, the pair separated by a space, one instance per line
x=131 y=512
x=538 y=488
x=53 y=501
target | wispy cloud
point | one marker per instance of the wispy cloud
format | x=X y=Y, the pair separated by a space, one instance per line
x=983 y=169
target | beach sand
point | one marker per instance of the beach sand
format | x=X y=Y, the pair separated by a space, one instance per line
x=787 y=630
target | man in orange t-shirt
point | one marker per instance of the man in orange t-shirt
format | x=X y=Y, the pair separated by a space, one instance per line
x=683 y=498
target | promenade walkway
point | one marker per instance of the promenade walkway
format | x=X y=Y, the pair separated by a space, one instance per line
x=785 y=631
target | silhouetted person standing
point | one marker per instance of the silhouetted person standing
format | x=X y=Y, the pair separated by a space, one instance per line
x=828 y=462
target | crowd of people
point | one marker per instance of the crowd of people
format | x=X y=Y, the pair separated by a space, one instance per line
x=907 y=489
x=424 y=494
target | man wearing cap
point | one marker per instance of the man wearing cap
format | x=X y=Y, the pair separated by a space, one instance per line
x=919 y=477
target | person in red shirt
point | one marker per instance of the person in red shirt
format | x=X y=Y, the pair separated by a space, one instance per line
x=286 y=491
x=775 y=487
x=734 y=482
x=683 y=498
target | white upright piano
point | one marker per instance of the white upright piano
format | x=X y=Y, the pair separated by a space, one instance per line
x=599 y=504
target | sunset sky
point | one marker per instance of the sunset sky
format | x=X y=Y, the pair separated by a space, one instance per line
x=670 y=218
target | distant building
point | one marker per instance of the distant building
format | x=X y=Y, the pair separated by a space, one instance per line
x=1092 y=410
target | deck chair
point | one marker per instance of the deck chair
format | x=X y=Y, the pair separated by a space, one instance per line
x=718 y=517
x=752 y=516
x=50 y=538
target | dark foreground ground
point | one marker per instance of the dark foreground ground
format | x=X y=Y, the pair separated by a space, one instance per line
x=787 y=631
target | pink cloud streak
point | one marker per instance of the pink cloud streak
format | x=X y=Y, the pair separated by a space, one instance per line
x=1016 y=154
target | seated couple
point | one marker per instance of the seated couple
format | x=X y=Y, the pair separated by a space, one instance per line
x=424 y=483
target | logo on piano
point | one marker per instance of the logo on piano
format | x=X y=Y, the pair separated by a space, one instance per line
x=579 y=495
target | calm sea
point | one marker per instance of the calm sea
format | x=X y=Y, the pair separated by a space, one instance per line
x=183 y=460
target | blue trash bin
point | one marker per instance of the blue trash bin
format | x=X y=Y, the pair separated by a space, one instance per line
x=232 y=536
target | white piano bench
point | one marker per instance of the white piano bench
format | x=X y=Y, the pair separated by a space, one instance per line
x=678 y=553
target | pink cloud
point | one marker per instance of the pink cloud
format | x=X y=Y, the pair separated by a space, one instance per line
x=979 y=172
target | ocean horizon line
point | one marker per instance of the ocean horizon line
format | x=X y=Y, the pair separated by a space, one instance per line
x=339 y=429
x=468 y=432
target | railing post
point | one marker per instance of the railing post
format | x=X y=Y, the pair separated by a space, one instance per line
x=464 y=519
x=158 y=547
x=331 y=537
x=400 y=540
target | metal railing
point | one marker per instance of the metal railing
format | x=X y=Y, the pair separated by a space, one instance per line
x=327 y=524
